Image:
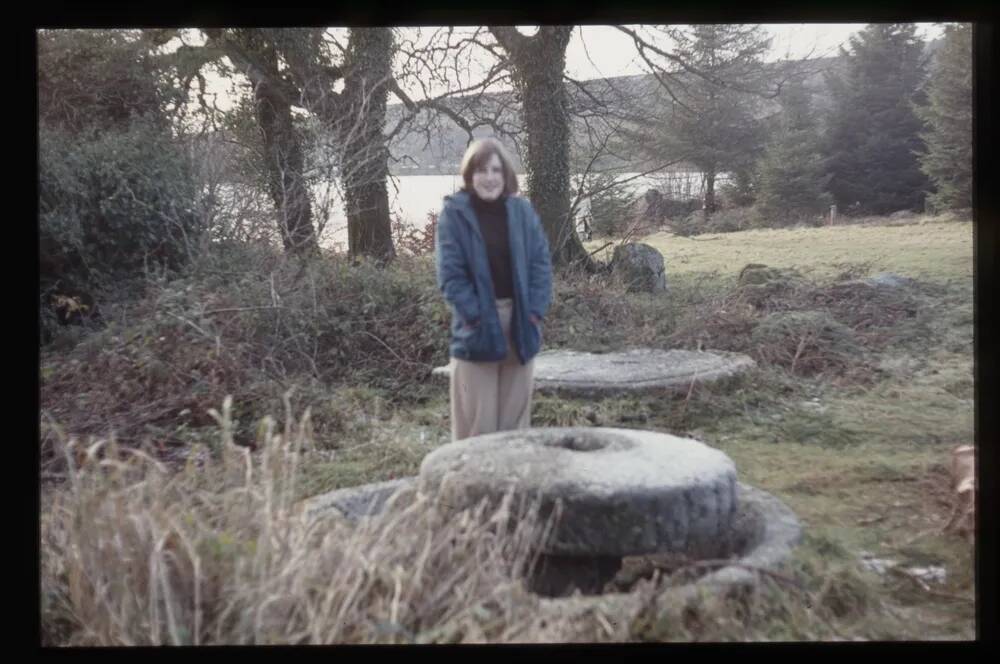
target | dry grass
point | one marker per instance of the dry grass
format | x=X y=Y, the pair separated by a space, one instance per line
x=219 y=554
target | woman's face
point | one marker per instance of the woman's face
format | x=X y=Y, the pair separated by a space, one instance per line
x=487 y=180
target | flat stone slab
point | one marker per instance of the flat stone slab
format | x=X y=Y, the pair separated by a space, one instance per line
x=576 y=373
x=354 y=503
x=620 y=491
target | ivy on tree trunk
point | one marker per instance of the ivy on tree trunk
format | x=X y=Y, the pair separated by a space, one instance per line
x=537 y=66
x=287 y=186
x=367 y=81
x=282 y=145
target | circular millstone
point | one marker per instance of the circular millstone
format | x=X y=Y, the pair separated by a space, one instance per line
x=621 y=491
x=581 y=374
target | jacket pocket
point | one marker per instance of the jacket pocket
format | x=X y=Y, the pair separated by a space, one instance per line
x=465 y=331
x=468 y=341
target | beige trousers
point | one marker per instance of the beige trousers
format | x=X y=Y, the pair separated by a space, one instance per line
x=491 y=396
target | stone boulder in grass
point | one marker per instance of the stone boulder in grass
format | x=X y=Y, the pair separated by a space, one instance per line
x=641 y=268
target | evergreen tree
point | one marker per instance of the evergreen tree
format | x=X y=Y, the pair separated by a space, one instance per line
x=712 y=121
x=874 y=132
x=948 y=114
x=791 y=177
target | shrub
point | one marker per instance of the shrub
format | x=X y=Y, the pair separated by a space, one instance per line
x=245 y=321
x=415 y=241
x=729 y=220
x=116 y=191
x=112 y=205
x=807 y=342
x=725 y=220
x=610 y=209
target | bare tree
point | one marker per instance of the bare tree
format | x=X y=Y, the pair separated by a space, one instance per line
x=537 y=64
x=344 y=84
x=456 y=82
x=713 y=74
x=367 y=81
x=304 y=68
x=282 y=146
x=550 y=119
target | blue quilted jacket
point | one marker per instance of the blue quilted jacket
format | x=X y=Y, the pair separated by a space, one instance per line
x=463 y=274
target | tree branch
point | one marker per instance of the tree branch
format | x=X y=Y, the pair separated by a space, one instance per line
x=255 y=71
x=510 y=39
x=642 y=44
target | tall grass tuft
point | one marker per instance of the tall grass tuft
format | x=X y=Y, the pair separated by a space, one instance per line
x=219 y=553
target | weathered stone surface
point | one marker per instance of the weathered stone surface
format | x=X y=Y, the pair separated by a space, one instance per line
x=889 y=280
x=354 y=503
x=767 y=533
x=763 y=534
x=621 y=491
x=641 y=267
x=574 y=373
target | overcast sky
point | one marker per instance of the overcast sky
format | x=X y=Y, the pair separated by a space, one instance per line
x=614 y=55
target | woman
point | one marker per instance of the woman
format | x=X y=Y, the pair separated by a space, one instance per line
x=494 y=269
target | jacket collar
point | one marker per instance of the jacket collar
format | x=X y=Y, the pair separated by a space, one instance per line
x=462 y=200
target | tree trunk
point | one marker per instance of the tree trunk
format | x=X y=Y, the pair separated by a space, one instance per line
x=360 y=131
x=251 y=50
x=709 y=205
x=283 y=152
x=538 y=66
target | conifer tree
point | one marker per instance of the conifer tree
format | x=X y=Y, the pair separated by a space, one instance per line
x=948 y=115
x=791 y=176
x=874 y=132
x=712 y=119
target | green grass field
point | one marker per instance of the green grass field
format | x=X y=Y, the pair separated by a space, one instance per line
x=925 y=248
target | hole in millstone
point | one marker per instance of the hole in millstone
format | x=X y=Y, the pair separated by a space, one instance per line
x=560 y=576
x=577 y=443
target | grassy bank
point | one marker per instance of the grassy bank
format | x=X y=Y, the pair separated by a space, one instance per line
x=856 y=442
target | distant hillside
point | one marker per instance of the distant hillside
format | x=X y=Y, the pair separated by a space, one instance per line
x=434 y=144
x=438 y=149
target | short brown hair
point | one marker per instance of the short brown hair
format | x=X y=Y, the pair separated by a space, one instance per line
x=479 y=153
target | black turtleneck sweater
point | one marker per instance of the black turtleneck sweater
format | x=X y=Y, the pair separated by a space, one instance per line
x=492 y=217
